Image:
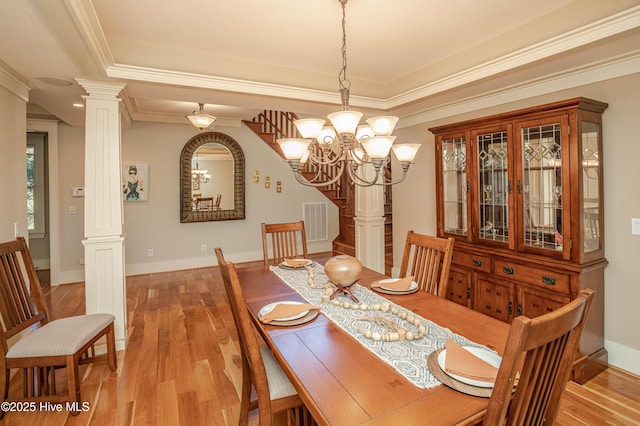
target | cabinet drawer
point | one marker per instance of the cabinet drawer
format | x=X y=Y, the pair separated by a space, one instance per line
x=542 y=278
x=473 y=261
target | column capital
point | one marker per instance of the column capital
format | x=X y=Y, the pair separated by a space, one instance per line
x=101 y=89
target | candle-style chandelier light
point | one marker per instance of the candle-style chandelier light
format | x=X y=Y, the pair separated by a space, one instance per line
x=346 y=145
x=200 y=175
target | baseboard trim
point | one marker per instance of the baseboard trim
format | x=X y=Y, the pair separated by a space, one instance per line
x=623 y=357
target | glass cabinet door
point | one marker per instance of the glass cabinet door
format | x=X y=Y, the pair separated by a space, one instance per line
x=454 y=185
x=591 y=186
x=493 y=186
x=541 y=186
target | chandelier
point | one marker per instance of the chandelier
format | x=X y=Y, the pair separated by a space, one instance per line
x=323 y=153
x=201 y=119
x=200 y=175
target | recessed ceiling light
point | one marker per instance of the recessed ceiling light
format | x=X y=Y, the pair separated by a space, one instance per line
x=78 y=105
x=55 y=81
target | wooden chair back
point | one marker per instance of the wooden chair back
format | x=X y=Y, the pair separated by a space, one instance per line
x=428 y=260
x=253 y=368
x=216 y=204
x=21 y=301
x=542 y=351
x=288 y=240
x=204 y=203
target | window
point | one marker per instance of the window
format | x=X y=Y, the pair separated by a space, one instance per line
x=36 y=185
x=31 y=187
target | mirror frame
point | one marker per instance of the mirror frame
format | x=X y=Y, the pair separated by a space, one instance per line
x=187 y=214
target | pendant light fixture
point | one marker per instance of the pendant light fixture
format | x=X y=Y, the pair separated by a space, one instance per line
x=201 y=119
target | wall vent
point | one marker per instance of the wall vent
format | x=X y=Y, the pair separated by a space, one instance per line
x=315 y=221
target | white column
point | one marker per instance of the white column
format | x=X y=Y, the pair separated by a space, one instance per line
x=104 y=218
x=369 y=223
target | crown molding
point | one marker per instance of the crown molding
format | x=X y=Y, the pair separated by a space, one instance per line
x=84 y=15
x=13 y=84
x=593 y=73
x=590 y=33
x=607 y=27
x=88 y=24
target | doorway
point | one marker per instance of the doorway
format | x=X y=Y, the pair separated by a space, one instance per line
x=49 y=128
x=38 y=203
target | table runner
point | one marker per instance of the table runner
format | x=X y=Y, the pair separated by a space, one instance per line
x=409 y=358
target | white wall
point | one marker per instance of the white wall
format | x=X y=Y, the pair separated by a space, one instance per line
x=13 y=166
x=414 y=202
x=155 y=224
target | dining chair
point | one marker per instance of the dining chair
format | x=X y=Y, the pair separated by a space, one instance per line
x=260 y=370
x=287 y=240
x=204 y=203
x=541 y=351
x=428 y=260
x=216 y=204
x=36 y=344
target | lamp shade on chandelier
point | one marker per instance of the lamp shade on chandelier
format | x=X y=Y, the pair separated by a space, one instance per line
x=324 y=153
x=201 y=119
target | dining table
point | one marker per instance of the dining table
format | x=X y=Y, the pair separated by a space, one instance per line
x=341 y=382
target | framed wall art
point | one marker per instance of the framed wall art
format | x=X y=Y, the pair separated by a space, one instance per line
x=135 y=186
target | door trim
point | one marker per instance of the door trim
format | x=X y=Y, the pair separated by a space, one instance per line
x=50 y=127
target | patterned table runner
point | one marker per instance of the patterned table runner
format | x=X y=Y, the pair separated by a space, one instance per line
x=409 y=358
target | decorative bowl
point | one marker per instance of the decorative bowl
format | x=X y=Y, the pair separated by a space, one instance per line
x=343 y=270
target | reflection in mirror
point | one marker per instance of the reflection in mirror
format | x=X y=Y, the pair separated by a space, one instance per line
x=211 y=179
x=212 y=176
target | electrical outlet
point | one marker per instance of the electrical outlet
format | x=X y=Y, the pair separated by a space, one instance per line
x=635 y=226
x=203 y=248
x=82 y=260
x=149 y=252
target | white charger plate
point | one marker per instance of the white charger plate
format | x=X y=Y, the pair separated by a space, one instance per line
x=284 y=264
x=268 y=308
x=485 y=355
x=412 y=287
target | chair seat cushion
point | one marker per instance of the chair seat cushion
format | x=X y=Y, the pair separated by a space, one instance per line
x=279 y=384
x=64 y=336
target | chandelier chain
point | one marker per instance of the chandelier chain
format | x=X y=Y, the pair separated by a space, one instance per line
x=325 y=154
x=342 y=76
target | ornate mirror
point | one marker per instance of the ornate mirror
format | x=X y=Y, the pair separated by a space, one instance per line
x=211 y=179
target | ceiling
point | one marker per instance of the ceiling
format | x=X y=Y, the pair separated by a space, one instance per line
x=240 y=57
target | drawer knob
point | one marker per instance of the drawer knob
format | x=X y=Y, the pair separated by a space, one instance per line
x=477 y=262
x=507 y=270
x=548 y=280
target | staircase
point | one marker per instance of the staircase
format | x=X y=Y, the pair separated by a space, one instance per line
x=272 y=125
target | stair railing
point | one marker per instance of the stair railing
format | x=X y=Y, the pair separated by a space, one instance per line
x=280 y=123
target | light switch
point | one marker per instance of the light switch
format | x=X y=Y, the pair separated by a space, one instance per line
x=635 y=226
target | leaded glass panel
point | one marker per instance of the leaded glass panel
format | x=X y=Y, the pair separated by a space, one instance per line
x=591 y=186
x=542 y=186
x=493 y=186
x=454 y=181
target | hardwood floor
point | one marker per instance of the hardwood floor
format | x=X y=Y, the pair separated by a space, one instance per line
x=181 y=365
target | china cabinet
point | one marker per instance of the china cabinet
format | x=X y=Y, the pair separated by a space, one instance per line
x=521 y=192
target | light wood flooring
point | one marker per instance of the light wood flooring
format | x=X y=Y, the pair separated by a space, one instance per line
x=181 y=365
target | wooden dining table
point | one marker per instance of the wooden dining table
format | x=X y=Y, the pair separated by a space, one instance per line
x=343 y=383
